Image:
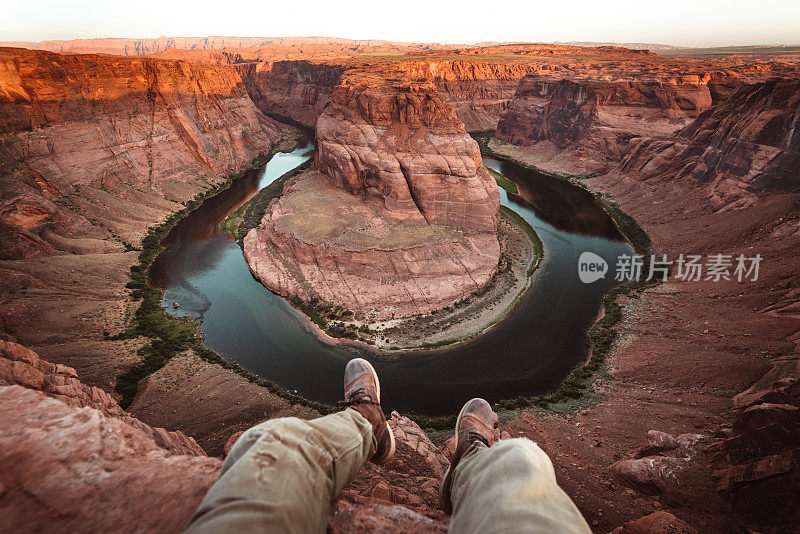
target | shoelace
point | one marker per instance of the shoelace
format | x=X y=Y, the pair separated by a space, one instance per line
x=358 y=396
x=473 y=436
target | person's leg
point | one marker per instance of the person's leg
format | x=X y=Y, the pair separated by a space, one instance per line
x=282 y=475
x=507 y=487
x=511 y=487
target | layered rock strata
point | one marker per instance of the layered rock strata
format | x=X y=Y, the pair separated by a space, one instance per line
x=21 y=366
x=299 y=90
x=93 y=151
x=400 y=217
x=746 y=145
x=119 y=127
x=596 y=119
x=57 y=434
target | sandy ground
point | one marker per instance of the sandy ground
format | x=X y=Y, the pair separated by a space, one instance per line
x=474 y=315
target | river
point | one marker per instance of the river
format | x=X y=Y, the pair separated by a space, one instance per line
x=203 y=269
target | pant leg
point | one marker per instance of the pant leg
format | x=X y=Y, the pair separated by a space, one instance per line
x=282 y=475
x=511 y=487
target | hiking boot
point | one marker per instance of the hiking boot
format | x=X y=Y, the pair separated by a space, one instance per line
x=476 y=422
x=362 y=392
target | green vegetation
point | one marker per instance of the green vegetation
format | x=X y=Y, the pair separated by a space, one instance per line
x=170 y=336
x=538 y=247
x=504 y=182
x=249 y=215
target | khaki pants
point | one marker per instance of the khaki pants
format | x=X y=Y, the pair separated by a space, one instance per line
x=282 y=475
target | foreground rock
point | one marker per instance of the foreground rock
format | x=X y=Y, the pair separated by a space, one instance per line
x=22 y=366
x=761 y=453
x=656 y=523
x=401 y=217
x=57 y=434
x=127 y=482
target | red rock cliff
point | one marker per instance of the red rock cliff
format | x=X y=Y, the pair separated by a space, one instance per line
x=596 y=118
x=478 y=91
x=401 y=217
x=403 y=146
x=299 y=90
x=74 y=124
x=748 y=144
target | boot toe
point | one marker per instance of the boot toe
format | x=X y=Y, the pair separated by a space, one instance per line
x=360 y=373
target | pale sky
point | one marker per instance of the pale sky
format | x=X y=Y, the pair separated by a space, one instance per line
x=677 y=22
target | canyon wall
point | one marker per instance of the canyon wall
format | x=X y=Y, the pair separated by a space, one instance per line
x=747 y=144
x=586 y=119
x=299 y=90
x=595 y=119
x=477 y=82
x=400 y=217
x=94 y=150
x=478 y=91
x=709 y=167
x=115 y=129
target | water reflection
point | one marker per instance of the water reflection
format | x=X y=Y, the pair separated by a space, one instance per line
x=556 y=201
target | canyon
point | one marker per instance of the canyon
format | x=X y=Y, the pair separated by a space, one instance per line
x=703 y=155
x=414 y=228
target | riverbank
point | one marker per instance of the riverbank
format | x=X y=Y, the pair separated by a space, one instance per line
x=534 y=159
x=577 y=390
x=521 y=253
x=165 y=336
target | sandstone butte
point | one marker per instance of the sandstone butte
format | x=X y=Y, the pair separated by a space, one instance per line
x=400 y=217
x=699 y=428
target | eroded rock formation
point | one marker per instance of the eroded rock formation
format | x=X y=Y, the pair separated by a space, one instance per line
x=400 y=217
x=596 y=119
x=74 y=460
x=115 y=130
x=21 y=366
x=299 y=90
x=93 y=151
x=748 y=144
x=402 y=147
